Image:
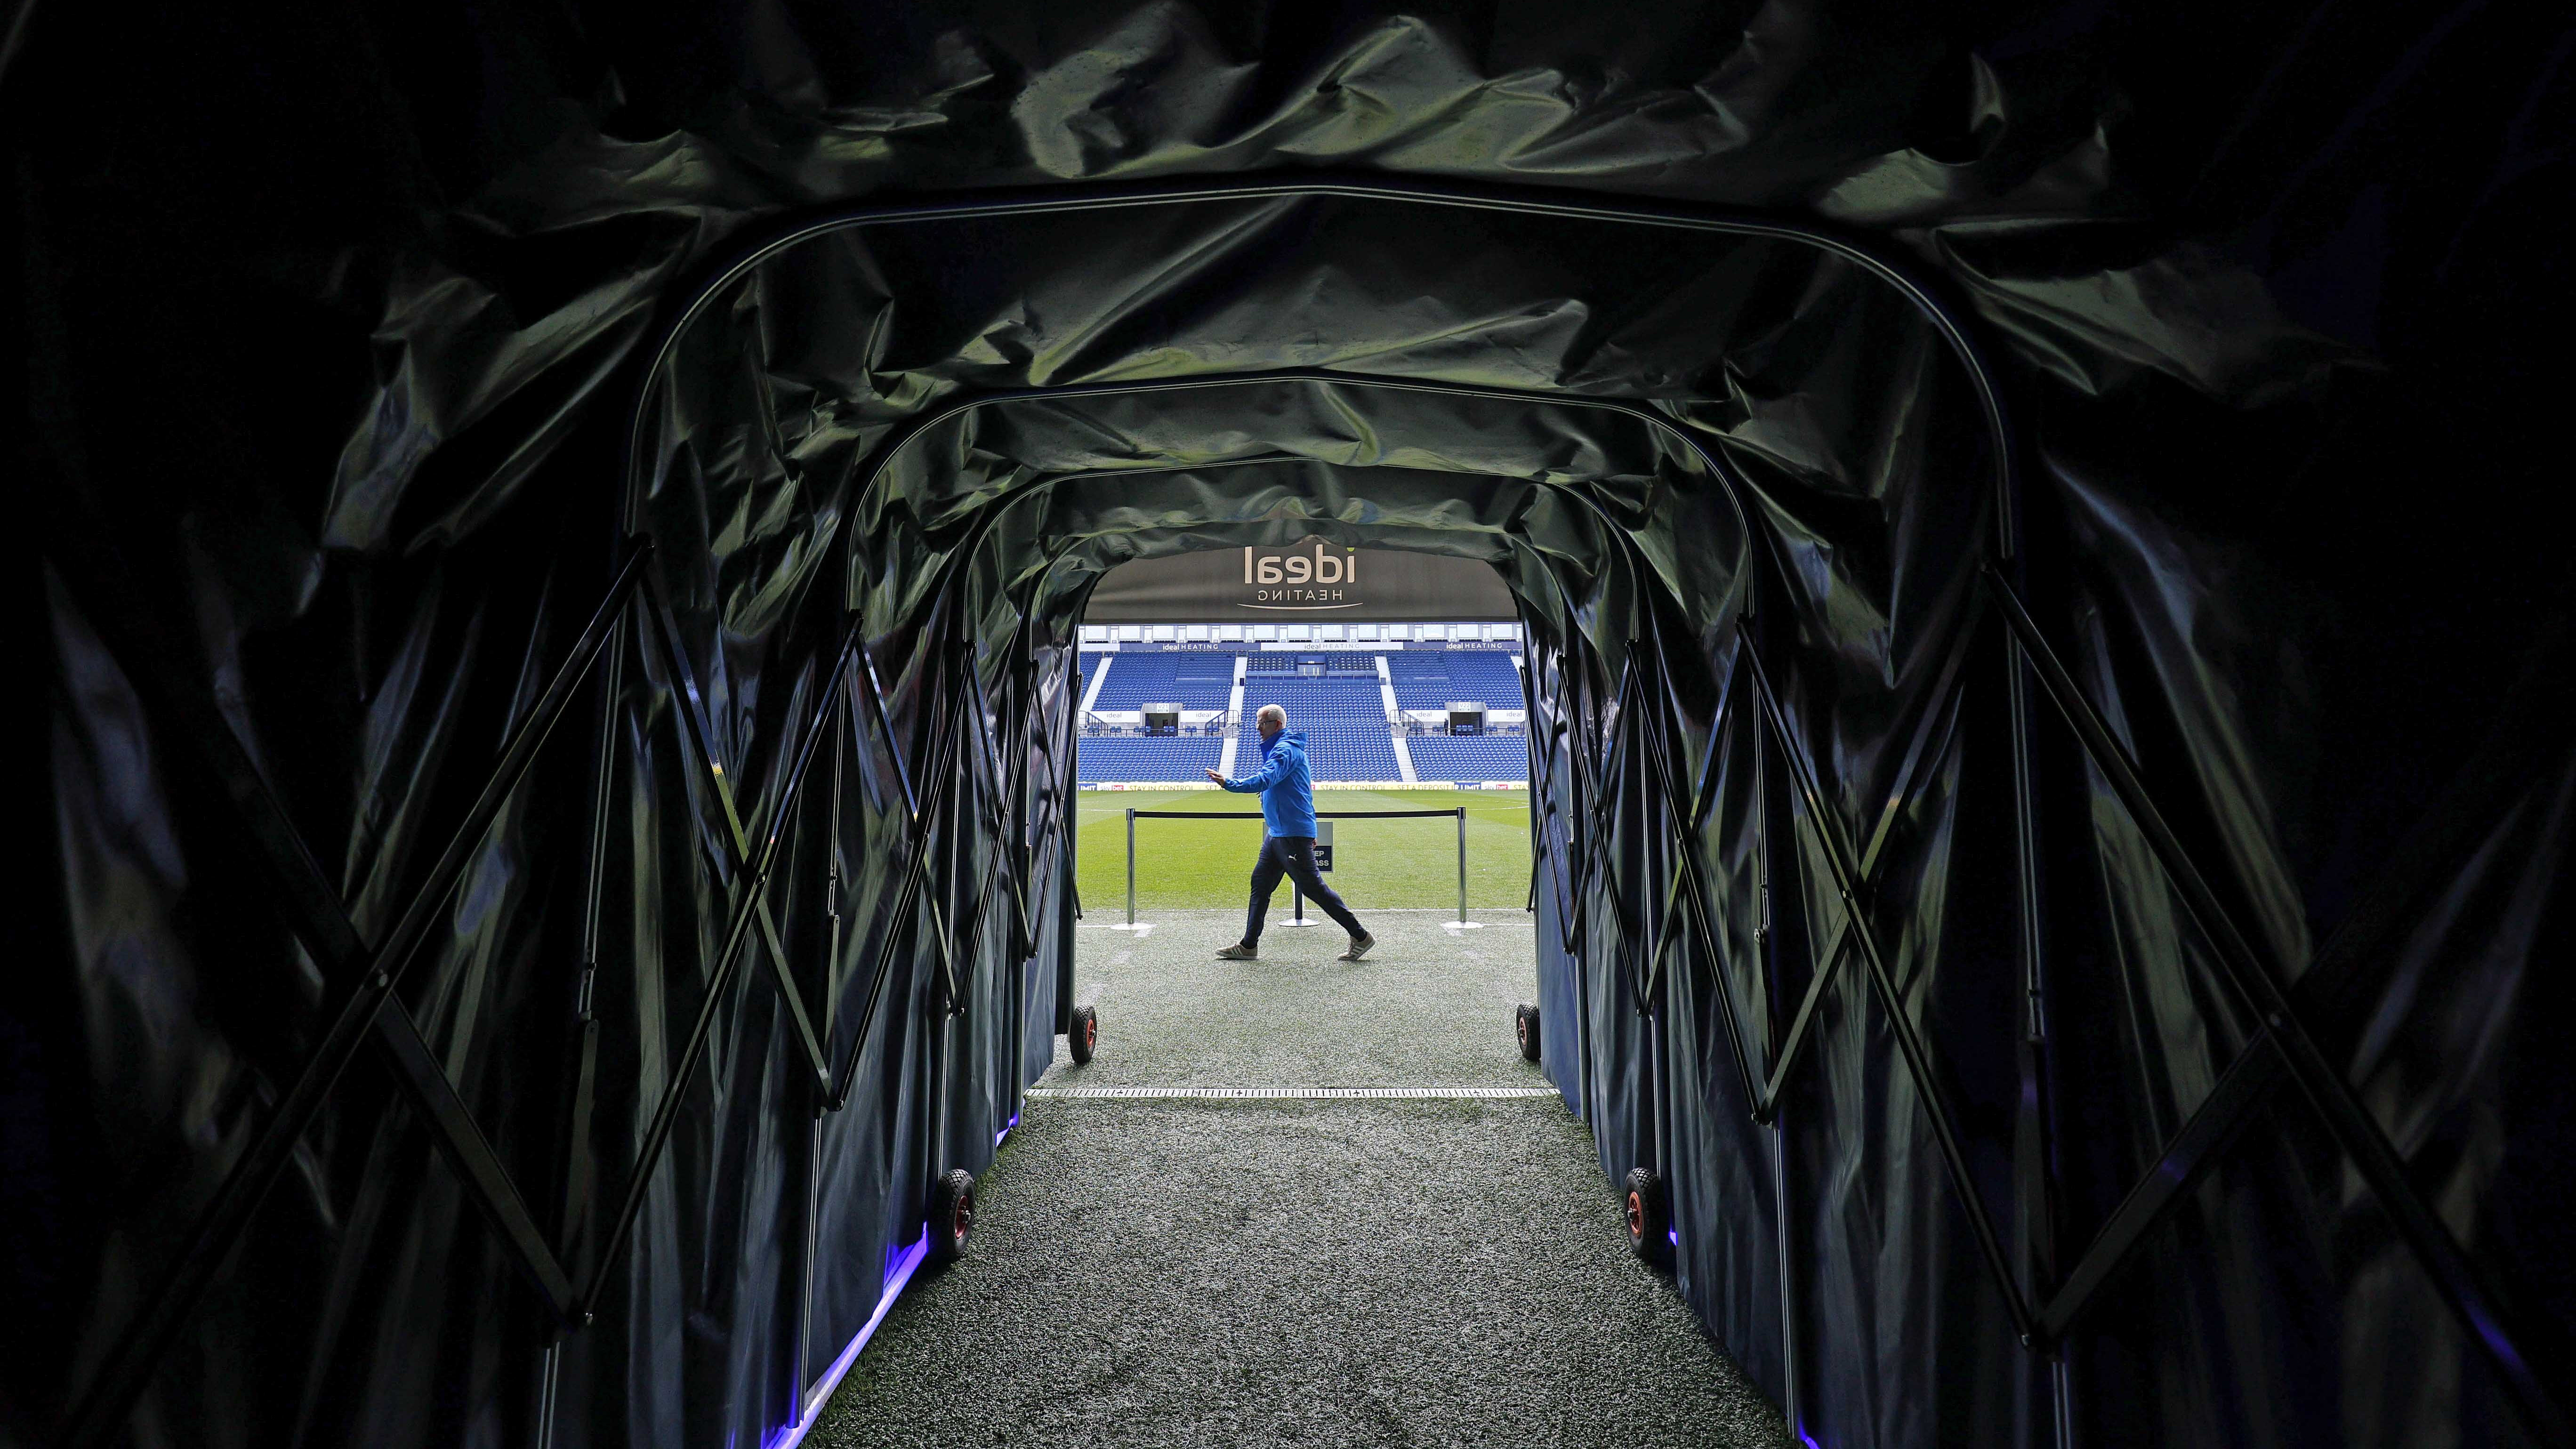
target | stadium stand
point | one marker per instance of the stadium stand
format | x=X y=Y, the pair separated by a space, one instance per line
x=1344 y=719
x=1332 y=695
x=1334 y=664
x=1160 y=758
x=1469 y=757
x=1199 y=679
x=1430 y=678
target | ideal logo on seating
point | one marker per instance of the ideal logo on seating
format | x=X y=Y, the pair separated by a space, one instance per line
x=1299 y=578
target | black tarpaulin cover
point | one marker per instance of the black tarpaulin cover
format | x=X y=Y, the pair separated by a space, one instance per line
x=355 y=401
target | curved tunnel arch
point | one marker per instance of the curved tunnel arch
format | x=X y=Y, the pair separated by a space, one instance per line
x=1886 y=268
x=318 y=615
x=1728 y=488
x=1873 y=258
x=1592 y=695
x=1821 y=801
x=1980 y=552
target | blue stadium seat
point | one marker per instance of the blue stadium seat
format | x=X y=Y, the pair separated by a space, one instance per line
x=1194 y=679
x=1344 y=717
x=1469 y=757
x=1430 y=678
x=1144 y=757
x=1342 y=713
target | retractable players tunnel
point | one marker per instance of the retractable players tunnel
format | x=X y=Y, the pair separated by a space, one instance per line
x=550 y=928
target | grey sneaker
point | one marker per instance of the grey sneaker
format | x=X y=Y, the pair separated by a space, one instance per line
x=1359 y=947
x=1239 y=952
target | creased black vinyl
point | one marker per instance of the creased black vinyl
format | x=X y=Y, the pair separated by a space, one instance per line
x=336 y=325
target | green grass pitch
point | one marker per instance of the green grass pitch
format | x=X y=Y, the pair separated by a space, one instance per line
x=1385 y=864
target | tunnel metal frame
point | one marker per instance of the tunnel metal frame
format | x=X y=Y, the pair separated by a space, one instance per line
x=2039 y=1327
x=360 y=978
x=364 y=1008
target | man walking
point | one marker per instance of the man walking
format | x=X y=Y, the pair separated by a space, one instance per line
x=1287 y=792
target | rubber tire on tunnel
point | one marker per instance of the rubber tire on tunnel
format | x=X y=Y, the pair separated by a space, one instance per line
x=952 y=1215
x=1084 y=1034
x=1525 y=1024
x=1650 y=1218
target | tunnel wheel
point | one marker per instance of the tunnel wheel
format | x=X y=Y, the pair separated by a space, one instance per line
x=952 y=1215
x=1649 y=1219
x=1084 y=1034
x=1525 y=1025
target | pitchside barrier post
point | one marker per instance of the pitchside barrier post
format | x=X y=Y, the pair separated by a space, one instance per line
x=1131 y=872
x=1462 y=923
x=1459 y=812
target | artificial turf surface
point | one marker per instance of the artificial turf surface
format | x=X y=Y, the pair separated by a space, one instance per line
x=1378 y=864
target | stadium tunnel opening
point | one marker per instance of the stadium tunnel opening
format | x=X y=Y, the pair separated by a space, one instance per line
x=1577 y=552
x=1752 y=486
x=846 y=595
x=1606 y=631
x=968 y=534
x=1706 y=626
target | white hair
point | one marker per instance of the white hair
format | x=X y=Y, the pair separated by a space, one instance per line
x=1272 y=714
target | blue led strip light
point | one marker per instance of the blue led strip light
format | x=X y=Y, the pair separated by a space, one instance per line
x=896 y=1279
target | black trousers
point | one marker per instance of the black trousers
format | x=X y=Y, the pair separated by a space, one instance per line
x=1294 y=857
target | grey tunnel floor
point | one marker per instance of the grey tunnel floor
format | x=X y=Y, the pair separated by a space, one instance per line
x=1297 y=1272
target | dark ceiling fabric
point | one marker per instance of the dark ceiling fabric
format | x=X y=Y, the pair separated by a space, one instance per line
x=331 y=321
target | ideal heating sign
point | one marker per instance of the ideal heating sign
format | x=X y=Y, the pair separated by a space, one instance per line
x=1302 y=579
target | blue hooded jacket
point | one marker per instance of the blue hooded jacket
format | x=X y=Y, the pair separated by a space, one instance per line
x=1287 y=788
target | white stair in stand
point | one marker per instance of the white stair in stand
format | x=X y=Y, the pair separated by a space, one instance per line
x=1234 y=712
x=1394 y=730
